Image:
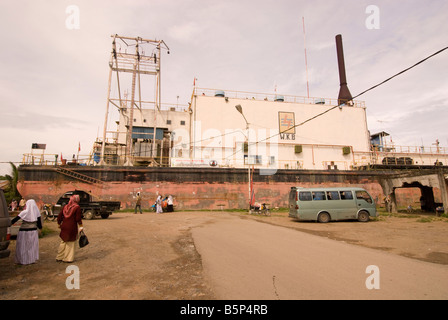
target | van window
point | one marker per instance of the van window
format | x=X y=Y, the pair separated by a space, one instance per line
x=346 y=195
x=319 y=195
x=363 y=195
x=333 y=195
x=305 y=196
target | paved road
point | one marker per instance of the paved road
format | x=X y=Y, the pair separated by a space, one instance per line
x=246 y=259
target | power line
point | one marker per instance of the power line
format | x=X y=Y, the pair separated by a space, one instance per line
x=401 y=72
x=371 y=88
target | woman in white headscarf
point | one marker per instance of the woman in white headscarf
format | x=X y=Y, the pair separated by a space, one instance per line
x=27 y=243
x=159 y=204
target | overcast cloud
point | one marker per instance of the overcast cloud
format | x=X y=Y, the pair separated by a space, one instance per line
x=53 y=82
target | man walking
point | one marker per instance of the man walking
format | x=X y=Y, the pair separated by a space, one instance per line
x=138 y=203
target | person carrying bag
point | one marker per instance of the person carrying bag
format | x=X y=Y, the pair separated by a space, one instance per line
x=69 y=219
x=83 y=240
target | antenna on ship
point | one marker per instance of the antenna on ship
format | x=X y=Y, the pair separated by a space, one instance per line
x=306 y=62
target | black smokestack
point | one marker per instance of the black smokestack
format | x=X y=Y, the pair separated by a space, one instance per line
x=344 y=93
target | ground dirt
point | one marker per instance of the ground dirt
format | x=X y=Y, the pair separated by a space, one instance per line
x=153 y=256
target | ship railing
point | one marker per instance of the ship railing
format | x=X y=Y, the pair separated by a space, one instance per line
x=126 y=103
x=399 y=158
x=271 y=97
x=290 y=164
x=55 y=160
x=411 y=149
x=323 y=165
x=359 y=159
x=39 y=159
x=336 y=165
x=277 y=164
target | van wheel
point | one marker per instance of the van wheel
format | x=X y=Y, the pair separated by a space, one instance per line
x=323 y=217
x=363 y=216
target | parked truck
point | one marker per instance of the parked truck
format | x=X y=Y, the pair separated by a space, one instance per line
x=89 y=207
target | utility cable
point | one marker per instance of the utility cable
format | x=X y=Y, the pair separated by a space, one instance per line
x=371 y=88
x=401 y=72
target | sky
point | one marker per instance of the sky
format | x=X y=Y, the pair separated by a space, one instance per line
x=54 y=61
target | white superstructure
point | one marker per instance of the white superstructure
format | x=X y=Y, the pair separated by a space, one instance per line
x=211 y=131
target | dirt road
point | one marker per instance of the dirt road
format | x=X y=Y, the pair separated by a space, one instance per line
x=130 y=256
x=153 y=256
x=248 y=260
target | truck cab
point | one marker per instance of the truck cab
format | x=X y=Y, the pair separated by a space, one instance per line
x=89 y=207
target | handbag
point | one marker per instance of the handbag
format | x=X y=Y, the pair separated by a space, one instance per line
x=83 y=240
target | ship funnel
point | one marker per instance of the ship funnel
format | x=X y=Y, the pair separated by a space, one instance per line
x=344 y=93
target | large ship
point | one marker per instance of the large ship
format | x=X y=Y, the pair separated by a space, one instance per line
x=227 y=148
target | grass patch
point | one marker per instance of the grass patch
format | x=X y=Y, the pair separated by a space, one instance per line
x=424 y=219
x=45 y=231
x=420 y=216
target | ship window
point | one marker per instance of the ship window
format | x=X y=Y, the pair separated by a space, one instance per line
x=168 y=121
x=256 y=159
x=182 y=123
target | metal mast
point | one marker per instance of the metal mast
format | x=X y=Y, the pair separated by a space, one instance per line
x=306 y=62
x=138 y=64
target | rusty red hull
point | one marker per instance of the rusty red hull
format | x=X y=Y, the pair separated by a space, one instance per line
x=192 y=188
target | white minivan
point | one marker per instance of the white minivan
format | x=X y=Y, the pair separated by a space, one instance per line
x=331 y=204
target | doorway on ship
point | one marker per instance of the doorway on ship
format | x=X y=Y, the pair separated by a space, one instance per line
x=415 y=197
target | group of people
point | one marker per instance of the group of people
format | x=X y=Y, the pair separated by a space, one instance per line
x=69 y=221
x=164 y=204
x=27 y=242
x=161 y=204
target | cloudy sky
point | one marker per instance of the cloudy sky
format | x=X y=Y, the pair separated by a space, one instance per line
x=53 y=80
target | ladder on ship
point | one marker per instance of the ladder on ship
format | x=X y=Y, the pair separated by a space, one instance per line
x=78 y=176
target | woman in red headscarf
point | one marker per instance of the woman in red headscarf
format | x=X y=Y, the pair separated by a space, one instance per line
x=69 y=219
